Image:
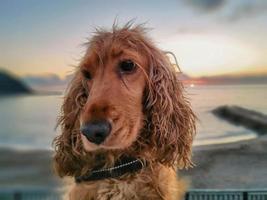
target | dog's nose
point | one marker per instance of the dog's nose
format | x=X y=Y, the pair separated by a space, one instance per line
x=97 y=131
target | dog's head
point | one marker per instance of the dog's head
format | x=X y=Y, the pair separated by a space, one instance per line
x=125 y=97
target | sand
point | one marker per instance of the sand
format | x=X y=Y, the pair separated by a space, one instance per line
x=238 y=165
x=26 y=169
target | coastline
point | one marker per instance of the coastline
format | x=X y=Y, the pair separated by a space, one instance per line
x=238 y=165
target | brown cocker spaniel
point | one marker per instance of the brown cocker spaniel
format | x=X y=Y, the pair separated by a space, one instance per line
x=126 y=124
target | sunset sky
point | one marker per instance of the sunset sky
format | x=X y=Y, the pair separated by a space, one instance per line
x=209 y=37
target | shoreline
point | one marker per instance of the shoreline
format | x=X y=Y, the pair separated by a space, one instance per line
x=196 y=144
x=233 y=144
x=238 y=165
x=226 y=140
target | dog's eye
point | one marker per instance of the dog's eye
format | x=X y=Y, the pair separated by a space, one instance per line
x=86 y=74
x=127 y=66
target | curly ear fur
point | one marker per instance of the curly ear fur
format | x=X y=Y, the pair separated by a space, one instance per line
x=68 y=146
x=170 y=120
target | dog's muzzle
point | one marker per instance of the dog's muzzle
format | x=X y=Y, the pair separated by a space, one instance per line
x=96 y=131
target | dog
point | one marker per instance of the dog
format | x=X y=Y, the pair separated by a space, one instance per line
x=126 y=124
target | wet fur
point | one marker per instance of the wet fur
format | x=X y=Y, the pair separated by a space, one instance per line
x=165 y=130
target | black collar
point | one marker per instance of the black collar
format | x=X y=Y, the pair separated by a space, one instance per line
x=121 y=167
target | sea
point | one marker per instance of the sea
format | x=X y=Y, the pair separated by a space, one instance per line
x=29 y=122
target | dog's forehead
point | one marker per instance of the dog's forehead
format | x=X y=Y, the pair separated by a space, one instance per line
x=90 y=59
x=101 y=52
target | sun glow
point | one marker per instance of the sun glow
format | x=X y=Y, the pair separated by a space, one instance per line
x=202 y=55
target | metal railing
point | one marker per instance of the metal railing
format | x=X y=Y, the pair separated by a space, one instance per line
x=26 y=194
x=197 y=194
x=226 y=195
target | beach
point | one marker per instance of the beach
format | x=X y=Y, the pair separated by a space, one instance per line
x=240 y=165
x=27 y=169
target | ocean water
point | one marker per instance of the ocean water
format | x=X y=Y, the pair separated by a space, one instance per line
x=28 y=122
x=212 y=130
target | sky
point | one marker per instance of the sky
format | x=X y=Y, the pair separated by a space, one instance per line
x=208 y=37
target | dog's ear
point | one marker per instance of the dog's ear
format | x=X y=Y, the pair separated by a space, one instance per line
x=68 y=146
x=170 y=120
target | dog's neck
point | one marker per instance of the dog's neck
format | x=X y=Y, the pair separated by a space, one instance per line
x=125 y=165
x=152 y=182
x=104 y=164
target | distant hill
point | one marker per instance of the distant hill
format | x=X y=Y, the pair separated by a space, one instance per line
x=47 y=82
x=9 y=84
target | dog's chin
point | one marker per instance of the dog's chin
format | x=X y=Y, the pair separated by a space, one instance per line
x=107 y=145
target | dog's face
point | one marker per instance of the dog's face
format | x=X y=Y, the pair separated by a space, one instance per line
x=125 y=96
x=115 y=81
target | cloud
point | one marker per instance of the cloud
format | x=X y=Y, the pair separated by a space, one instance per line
x=247 y=9
x=230 y=10
x=48 y=82
x=50 y=79
x=206 y=5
